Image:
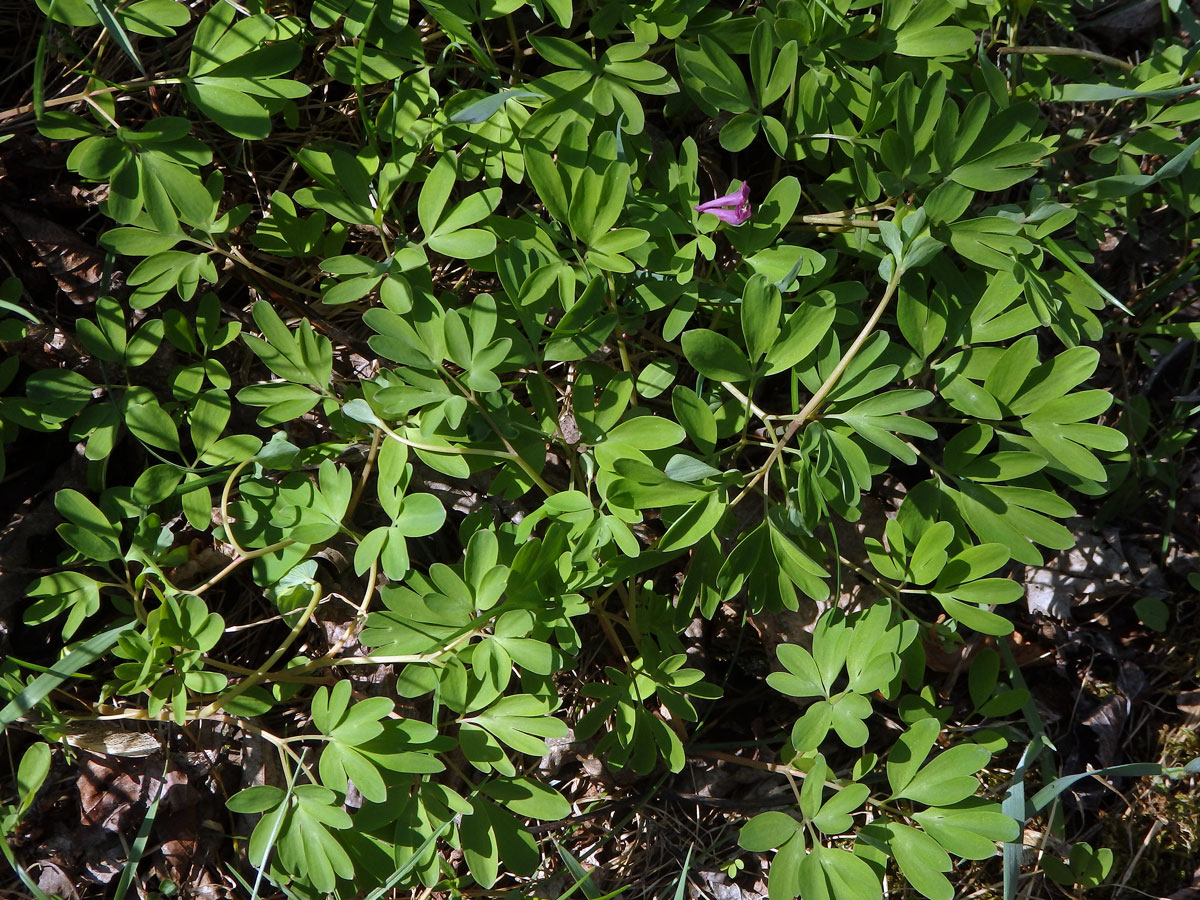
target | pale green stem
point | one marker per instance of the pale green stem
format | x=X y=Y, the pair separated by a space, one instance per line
x=264 y=670
x=1072 y=51
x=810 y=408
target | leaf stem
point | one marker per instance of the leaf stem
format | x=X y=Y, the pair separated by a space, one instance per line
x=810 y=408
x=85 y=96
x=1071 y=51
x=263 y=671
x=376 y=439
x=360 y=613
x=246 y=556
x=748 y=403
x=512 y=451
x=447 y=450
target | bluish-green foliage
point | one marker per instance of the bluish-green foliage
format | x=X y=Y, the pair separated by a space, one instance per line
x=482 y=284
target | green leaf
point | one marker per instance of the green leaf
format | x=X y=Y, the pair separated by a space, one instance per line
x=529 y=797
x=938 y=41
x=255 y=799
x=910 y=751
x=813 y=788
x=521 y=722
x=149 y=421
x=483 y=109
x=695 y=417
x=830 y=874
x=929 y=557
x=31 y=773
x=878 y=420
x=89 y=531
x=648 y=433
x=848 y=718
x=715 y=356
x=420 y=515
x=156 y=18
x=766 y=831
x=61 y=591
x=949 y=777
x=1116 y=186
x=835 y=815
x=1046 y=795
x=802 y=678
x=307 y=843
x=435 y=192
x=701 y=518
x=208 y=418
x=922 y=860
x=1014 y=516
x=761 y=308
x=802 y=332
x=969 y=829
x=709 y=72
x=1100 y=93
x=232 y=69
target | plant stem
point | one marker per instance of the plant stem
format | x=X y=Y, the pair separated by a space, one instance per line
x=835 y=220
x=246 y=556
x=85 y=96
x=361 y=612
x=810 y=408
x=512 y=451
x=263 y=671
x=1071 y=51
x=447 y=450
x=225 y=492
x=748 y=403
x=376 y=439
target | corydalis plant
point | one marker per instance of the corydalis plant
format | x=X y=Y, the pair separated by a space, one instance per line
x=609 y=409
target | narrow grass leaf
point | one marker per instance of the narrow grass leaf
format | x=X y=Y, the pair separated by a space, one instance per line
x=39 y=64
x=139 y=843
x=578 y=872
x=26 y=880
x=1077 y=270
x=407 y=866
x=1046 y=795
x=113 y=26
x=86 y=652
x=1014 y=805
x=681 y=887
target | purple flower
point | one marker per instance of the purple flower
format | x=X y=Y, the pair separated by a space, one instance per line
x=732 y=209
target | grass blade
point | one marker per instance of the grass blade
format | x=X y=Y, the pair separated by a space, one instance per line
x=274 y=836
x=581 y=875
x=113 y=26
x=1075 y=269
x=681 y=888
x=39 y=63
x=86 y=652
x=395 y=878
x=1013 y=805
x=1046 y=795
x=25 y=877
x=139 y=843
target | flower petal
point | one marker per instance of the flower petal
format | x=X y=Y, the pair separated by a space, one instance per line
x=733 y=208
x=739 y=196
x=729 y=216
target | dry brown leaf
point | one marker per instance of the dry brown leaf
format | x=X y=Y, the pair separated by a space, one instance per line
x=180 y=808
x=76 y=265
x=109 y=788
